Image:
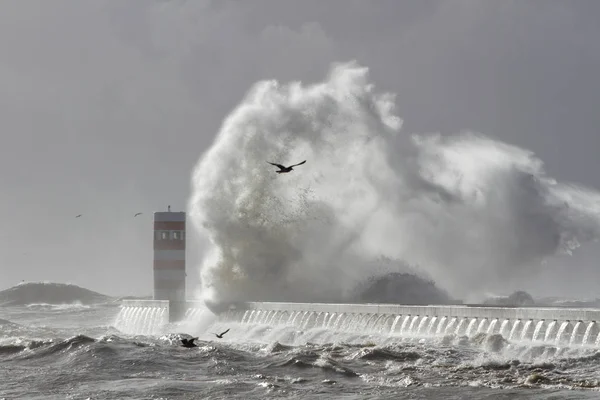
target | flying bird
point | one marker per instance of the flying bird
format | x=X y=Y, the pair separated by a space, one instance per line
x=284 y=169
x=77 y=216
x=220 y=335
x=137 y=214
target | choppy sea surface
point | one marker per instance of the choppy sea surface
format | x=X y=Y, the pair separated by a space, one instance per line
x=78 y=352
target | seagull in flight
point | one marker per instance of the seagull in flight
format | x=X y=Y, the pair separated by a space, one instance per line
x=137 y=214
x=284 y=169
x=220 y=335
x=77 y=216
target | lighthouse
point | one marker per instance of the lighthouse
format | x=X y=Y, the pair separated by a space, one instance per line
x=169 y=256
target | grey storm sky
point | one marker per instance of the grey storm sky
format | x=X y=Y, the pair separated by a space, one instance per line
x=105 y=106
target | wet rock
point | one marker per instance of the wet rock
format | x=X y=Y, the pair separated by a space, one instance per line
x=495 y=343
x=402 y=288
x=536 y=379
x=518 y=299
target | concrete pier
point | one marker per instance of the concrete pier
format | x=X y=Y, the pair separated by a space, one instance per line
x=550 y=325
x=462 y=311
x=557 y=326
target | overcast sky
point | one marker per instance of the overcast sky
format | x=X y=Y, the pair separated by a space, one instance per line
x=105 y=106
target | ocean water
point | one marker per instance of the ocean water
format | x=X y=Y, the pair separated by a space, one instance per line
x=79 y=352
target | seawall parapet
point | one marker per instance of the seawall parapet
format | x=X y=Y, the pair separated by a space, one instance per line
x=463 y=311
x=551 y=325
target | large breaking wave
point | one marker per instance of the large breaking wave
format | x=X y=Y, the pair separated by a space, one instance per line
x=464 y=210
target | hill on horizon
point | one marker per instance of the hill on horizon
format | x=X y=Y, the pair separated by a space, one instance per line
x=51 y=293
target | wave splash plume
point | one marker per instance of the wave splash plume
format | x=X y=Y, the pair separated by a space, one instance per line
x=469 y=211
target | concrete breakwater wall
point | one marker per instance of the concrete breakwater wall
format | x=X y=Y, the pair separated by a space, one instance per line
x=142 y=317
x=150 y=317
x=560 y=326
x=159 y=311
x=551 y=325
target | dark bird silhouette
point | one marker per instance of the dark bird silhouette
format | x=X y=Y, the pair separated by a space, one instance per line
x=188 y=342
x=77 y=216
x=137 y=214
x=220 y=335
x=283 y=169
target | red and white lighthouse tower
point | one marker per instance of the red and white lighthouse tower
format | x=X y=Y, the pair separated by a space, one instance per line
x=169 y=256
